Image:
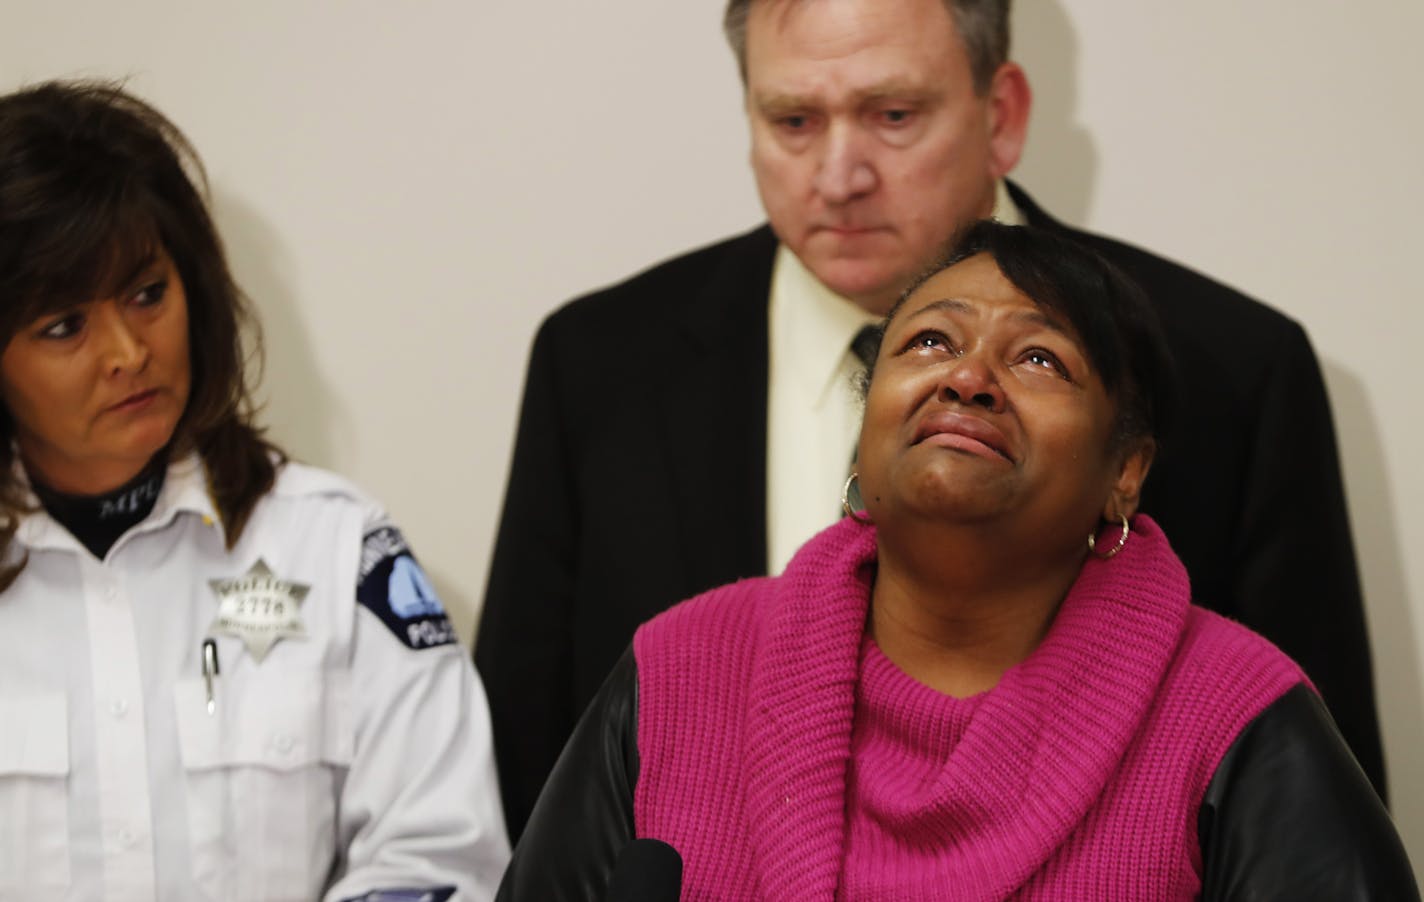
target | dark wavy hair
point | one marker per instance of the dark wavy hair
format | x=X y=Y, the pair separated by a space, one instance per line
x=1120 y=329
x=92 y=182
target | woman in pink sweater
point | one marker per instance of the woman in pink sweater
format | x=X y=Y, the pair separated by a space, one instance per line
x=988 y=683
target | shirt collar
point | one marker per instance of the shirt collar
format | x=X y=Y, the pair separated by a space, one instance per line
x=814 y=324
x=185 y=490
x=1005 y=210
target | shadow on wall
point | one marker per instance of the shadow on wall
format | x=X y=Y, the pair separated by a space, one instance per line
x=301 y=412
x=458 y=603
x=1399 y=676
x=1060 y=162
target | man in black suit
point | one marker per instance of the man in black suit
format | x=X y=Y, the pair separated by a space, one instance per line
x=663 y=445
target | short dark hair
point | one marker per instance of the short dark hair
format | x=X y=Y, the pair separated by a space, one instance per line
x=1120 y=329
x=93 y=181
x=983 y=26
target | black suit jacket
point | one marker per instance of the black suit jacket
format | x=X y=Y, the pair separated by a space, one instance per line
x=639 y=479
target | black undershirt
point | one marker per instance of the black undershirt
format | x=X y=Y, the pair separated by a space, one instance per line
x=97 y=521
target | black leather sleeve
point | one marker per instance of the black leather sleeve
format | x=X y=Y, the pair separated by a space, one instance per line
x=584 y=816
x=1289 y=815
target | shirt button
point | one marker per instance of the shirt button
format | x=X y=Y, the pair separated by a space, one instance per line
x=283 y=743
x=111 y=593
x=126 y=836
x=118 y=707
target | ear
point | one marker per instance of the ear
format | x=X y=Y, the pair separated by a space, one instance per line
x=1131 y=474
x=1009 y=100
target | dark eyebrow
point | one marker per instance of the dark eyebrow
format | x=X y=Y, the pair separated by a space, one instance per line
x=1039 y=318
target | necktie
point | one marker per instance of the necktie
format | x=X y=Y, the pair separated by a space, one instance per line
x=866 y=344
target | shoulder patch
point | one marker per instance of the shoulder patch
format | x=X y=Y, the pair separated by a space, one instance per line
x=392 y=586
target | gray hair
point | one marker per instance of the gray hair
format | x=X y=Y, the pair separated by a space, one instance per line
x=983 y=26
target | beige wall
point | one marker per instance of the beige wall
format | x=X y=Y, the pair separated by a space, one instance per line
x=406 y=188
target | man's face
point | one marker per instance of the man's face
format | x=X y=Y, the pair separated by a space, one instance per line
x=869 y=144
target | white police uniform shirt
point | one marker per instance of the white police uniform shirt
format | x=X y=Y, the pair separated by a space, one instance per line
x=350 y=757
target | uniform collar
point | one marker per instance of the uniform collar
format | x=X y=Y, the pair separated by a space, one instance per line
x=185 y=490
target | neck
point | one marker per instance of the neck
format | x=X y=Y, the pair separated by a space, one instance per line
x=98 y=520
x=878 y=304
x=955 y=608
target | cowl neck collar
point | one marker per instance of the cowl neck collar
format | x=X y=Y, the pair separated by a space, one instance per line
x=1034 y=757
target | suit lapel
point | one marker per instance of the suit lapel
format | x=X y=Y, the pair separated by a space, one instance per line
x=1033 y=214
x=712 y=412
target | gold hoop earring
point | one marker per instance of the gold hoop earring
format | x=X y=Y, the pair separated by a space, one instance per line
x=851 y=512
x=1122 y=540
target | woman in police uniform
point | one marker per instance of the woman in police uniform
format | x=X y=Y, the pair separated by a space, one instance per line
x=222 y=674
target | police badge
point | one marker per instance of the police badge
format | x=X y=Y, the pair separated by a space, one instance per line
x=259 y=609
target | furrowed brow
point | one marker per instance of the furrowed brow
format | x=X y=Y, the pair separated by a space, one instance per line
x=1043 y=320
x=950 y=305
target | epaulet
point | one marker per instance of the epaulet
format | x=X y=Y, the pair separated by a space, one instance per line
x=297 y=480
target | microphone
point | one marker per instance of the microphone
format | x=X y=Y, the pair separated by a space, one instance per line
x=647 y=870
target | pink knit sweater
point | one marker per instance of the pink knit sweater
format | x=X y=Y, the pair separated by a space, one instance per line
x=786 y=758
